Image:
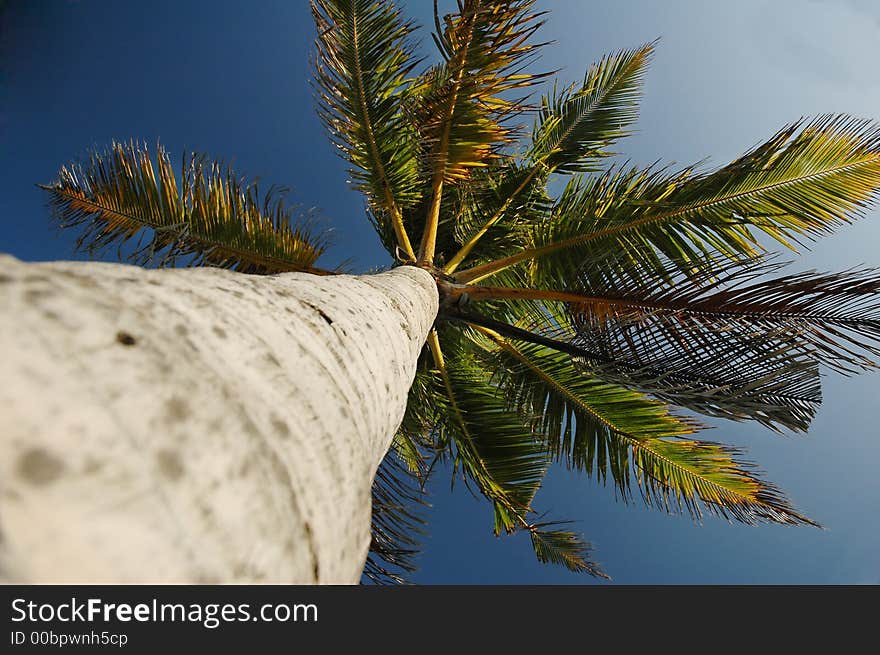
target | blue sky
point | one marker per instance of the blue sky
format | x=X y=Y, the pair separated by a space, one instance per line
x=232 y=80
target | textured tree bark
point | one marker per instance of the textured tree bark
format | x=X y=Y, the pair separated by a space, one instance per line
x=197 y=425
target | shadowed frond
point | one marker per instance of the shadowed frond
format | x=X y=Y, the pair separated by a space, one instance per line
x=564 y=548
x=208 y=218
x=803 y=182
x=576 y=125
x=417 y=433
x=742 y=376
x=363 y=62
x=494 y=448
x=740 y=342
x=397 y=528
x=833 y=318
x=773 y=387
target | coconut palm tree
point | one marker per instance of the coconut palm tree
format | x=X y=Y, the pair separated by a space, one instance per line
x=585 y=308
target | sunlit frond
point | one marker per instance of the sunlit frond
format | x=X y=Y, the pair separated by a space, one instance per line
x=209 y=217
x=802 y=183
x=461 y=107
x=466 y=100
x=577 y=124
x=363 y=63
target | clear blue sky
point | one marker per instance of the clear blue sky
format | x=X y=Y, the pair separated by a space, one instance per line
x=232 y=79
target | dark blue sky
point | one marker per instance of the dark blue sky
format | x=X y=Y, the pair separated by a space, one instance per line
x=232 y=79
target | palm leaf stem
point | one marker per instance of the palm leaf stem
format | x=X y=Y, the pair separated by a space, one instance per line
x=465 y=250
x=513 y=332
x=477 y=293
x=396 y=217
x=432 y=220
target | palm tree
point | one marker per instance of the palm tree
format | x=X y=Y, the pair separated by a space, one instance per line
x=583 y=305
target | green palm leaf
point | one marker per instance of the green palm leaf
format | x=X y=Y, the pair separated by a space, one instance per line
x=210 y=217
x=803 y=182
x=576 y=125
x=514 y=196
x=759 y=379
x=364 y=60
x=564 y=548
x=495 y=449
x=574 y=128
x=594 y=425
x=491 y=445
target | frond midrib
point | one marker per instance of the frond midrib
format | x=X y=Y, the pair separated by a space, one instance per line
x=283 y=265
x=498 y=495
x=482 y=271
x=599 y=98
x=396 y=217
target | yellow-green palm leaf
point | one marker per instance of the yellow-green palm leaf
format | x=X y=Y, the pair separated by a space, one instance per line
x=208 y=217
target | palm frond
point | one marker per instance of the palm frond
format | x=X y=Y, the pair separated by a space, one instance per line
x=599 y=427
x=800 y=184
x=807 y=179
x=397 y=527
x=559 y=244
x=461 y=106
x=740 y=377
x=739 y=341
x=491 y=446
x=564 y=548
x=514 y=198
x=833 y=318
x=576 y=125
x=486 y=49
x=759 y=380
x=494 y=448
x=210 y=217
x=574 y=128
x=363 y=62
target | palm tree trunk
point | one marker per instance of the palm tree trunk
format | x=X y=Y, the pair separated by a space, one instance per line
x=197 y=425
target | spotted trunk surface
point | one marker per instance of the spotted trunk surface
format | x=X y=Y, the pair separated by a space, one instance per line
x=197 y=425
